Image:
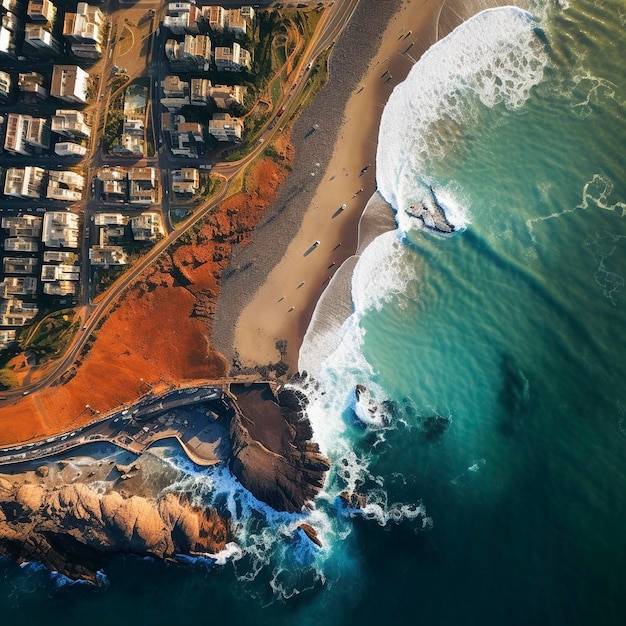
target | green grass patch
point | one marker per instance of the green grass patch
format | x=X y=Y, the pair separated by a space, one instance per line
x=52 y=335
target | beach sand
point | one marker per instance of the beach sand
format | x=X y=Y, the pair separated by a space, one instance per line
x=276 y=295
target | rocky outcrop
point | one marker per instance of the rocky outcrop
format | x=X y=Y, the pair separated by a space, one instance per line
x=311 y=534
x=273 y=455
x=71 y=528
x=431 y=214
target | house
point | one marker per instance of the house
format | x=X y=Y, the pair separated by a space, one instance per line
x=65 y=185
x=85 y=31
x=225 y=128
x=60 y=229
x=146 y=227
x=14 y=312
x=175 y=92
x=20 y=244
x=111 y=225
x=131 y=145
x=186 y=181
x=20 y=265
x=70 y=123
x=41 y=12
x=107 y=255
x=235 y=59
x=181 y=17
x=60 y=256
x=25 y=226
x=69 y=83
x=24 y=133
x=184 y=136
x=24 y=182
x=142 y=182
x=18 y=286
x=50 y=273
x=40 y=38
x=67 y=148
x=5 y=85
x=31 y=83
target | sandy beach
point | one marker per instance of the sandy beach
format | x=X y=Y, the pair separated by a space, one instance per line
x=281 y=276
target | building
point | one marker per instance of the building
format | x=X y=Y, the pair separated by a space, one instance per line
x=182 y=17
x=60 y=229
x=60 y=288
x=225 y=128
x=197 y=49
x=25 y=226
x=18 y=286
x=235 y=59
x=60 y=256
x=38 y=37
x=106 y=256
x=31 y=84
x=69 y=83
x=67 y=148
x=20 y=244
x=200 y=92
x=7 y=41
x=20 y=265
x=23 y=182
x=186 y=181
x=133 y=126
x=184 y=136
x=236 y=23
x=14 y=312
x=65 y=185
x=50 y=273
x=114 y=184
x=217 y=18
x=5 y=85
x=175 y=92
x=142 y=183
x=110 y=219
x=247 y=13
x=41 y=12
x=147 y=227
x=70 y=124
x=131 y=145
x=224 y=95
x=25 y=134
x=85 y=30
x=7 y=337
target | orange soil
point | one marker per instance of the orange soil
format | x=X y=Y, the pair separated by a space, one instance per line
x=160 y=330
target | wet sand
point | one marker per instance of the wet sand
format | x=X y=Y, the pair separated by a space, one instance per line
x=335 y=139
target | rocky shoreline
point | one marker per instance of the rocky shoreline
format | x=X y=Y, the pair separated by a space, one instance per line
x=70 y=516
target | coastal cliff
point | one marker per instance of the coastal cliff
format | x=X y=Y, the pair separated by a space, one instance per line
x=71 y=528
x=272 y=452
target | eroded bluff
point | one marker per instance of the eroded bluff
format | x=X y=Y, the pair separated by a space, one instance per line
x=71 y=528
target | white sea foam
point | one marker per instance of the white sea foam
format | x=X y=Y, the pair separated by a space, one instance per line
x=495 y=58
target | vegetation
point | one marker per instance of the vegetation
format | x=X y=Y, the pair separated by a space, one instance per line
x=52 y=335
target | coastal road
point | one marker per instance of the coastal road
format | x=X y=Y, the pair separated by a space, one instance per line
x=331 y=24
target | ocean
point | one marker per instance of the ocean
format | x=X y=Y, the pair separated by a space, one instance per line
x=489 y=444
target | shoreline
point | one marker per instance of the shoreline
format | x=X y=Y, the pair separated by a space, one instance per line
x=277 y=296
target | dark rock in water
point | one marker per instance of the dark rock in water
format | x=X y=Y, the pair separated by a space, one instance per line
x=71 y=528
x=435 y=425
x=353 y=500
x=272 y=452
x=311 y=533
x=431 y=214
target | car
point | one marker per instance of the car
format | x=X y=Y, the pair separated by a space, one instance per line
x=280 y=111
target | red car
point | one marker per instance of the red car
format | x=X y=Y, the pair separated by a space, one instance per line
x=281 y=111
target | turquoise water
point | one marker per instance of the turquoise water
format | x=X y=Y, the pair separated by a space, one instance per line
x=508 y=333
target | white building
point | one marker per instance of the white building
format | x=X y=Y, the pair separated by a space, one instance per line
x=69 y=83
x=225 y=128
x=146 y=227
x=23 y=133
x=5 y=85
x=60 y=229
x=14 y=312
x=67 y=148
x=181 y=17
x=70 y=123
x=65 y=185
x=235 y=59
x=24 y=182
x=25 y=226
x=85 y=30
x=37 y=36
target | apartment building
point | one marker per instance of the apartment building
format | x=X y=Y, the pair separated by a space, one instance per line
x=41 y=12
x=186 y=181
x=233 y=59
x=182 y=17
x=60 y=229
x=175 y=92
x=70 y=124
x=147 y=227
x=5 y=85
x=24 y=182
x=18 y=286
x=20 y=244
x=69 y=83
x=25 y=226
x=65 y=185
x=40 y=38
x=19 y=265
x=142 y=185
x=67 y=148
x=14 y=312
x=85 y=31
x=25 y=133
x=31 y=84
x=225 y=128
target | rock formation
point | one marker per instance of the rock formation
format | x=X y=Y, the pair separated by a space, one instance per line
x=71 y=528
x=272 y=452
